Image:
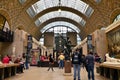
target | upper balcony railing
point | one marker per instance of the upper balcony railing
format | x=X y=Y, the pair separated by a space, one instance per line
x=6 y=36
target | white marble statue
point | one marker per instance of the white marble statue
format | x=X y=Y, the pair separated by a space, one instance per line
x=110 y=59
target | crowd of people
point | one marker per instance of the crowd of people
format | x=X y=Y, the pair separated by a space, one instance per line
x=20 y=60
x=78 y=60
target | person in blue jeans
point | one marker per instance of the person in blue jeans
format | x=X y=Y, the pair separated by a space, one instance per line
x=76 y=61
x=90 y=65
x=61 y=61
x=27 y=61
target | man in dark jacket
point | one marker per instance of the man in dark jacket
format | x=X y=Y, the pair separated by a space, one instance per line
x=90 y=65
x=51 y=62
x=76 y=61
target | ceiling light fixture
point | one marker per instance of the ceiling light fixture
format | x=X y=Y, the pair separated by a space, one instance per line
x=59 y=5
x=59 y=10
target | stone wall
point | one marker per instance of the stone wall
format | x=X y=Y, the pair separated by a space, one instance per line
x=84 y=48
x=16 y=15
x=16 y=47
x=72 y=37
x=49 y=39
x=100 y=42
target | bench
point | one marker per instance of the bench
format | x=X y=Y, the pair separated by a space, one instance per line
x=110 y=70
x=7 y=70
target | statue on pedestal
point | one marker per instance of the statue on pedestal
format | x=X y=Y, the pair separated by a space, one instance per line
x=67 y=48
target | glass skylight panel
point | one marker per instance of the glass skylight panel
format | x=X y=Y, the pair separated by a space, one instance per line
x=31 y=12
x=40 y=6
x=55 y=30
x=60 y=29
x=64 y=28
x=49 y=30
x=78 y=39
x=37 y=22
x=62 y=14
x=83 y=22
x=97 y=1
x=69 y=29
x=22 y=1
x=42 y=41
x=68 y=3
x=60 y=23
x=76 y=4
x=89 y=11
x=80 y=5
x=35 y=7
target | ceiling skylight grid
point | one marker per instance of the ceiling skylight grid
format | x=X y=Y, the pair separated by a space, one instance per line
x=60 y=29
x=76 y=4
x=62 y=14
x=60 y=23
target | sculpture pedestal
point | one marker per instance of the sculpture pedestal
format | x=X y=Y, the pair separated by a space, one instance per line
x=67 y=66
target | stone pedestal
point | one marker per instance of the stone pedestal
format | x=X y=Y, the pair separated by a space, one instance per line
x=67 y=66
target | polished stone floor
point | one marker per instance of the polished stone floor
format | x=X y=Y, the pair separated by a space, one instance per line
x=41 y=73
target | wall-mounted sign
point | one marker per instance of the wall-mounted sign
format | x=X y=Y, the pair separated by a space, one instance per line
x=89 y=42
x=29 y=43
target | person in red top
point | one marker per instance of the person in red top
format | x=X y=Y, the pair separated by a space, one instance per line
x=5 y=59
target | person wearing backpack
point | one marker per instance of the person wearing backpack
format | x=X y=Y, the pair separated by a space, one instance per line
x=51 y=62
x=76 y=61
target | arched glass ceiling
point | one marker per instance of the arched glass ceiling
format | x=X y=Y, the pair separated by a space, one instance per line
x=60 y=23
x=60 y=29
x=60 y=14
x=75 y=4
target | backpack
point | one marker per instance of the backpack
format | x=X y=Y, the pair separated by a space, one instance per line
x=51 y=60
x=76 y=59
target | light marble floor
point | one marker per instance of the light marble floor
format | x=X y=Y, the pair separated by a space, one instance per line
x=41 y=73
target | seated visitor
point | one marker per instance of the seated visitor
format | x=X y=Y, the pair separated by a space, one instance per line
x=5 y=59
x=21 y=65
x=10 y=59
x=42 y=58
x=97 y=58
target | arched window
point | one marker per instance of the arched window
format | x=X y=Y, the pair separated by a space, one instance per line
x=4 y=24
x=60 y=29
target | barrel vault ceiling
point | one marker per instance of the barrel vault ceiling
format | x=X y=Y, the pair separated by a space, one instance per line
x=34 y=15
